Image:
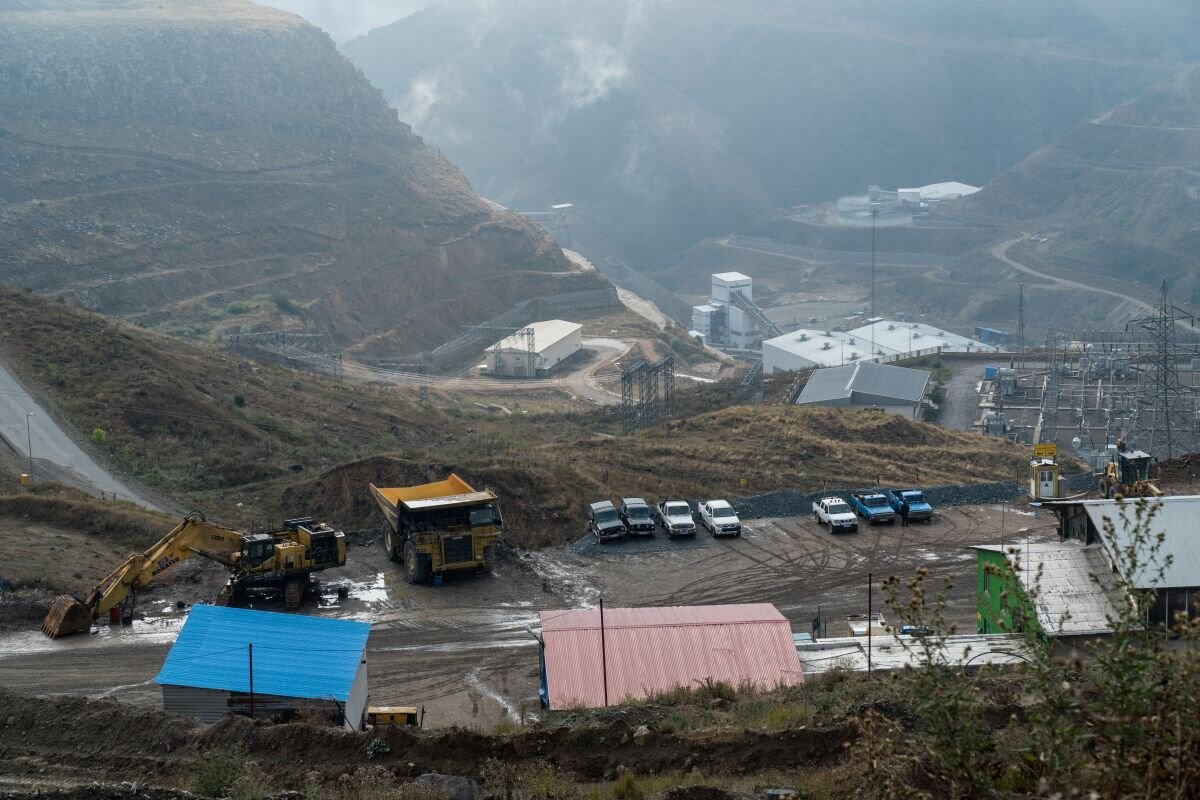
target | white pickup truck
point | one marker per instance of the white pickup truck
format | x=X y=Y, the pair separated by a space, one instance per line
x=720 y=518
x=834 y=512
x=676 y=517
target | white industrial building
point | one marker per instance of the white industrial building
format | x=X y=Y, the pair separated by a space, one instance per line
x=730 y=319
x=893 y=337
x=888 y=340
x=537 y=349
x=805 y=349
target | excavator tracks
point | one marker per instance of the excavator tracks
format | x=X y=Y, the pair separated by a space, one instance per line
x=293 y=593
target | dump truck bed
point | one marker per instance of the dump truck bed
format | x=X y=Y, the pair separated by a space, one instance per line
x=453 y=491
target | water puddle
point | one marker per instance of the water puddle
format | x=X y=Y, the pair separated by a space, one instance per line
x=151 y=630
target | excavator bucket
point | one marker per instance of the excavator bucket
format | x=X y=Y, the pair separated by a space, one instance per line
x=66 y=616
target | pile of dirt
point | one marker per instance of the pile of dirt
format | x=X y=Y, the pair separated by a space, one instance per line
x=80 y=740
x=737 y=452
x=100 y=791
x=1178 y=475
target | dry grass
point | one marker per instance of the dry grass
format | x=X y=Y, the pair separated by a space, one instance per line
x=772 y=447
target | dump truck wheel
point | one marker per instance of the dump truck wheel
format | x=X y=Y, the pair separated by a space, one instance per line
x=416 y=568
x=489 y=558
x=389 y=542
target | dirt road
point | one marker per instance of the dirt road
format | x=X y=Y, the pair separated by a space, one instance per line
x=1000 y=251
x=463 y=652
x=26 y=427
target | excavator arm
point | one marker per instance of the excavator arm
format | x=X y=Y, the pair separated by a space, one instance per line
x=194 y=536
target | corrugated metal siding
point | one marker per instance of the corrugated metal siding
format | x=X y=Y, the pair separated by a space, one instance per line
x=654 y=650
x=1175 y=518
x=206 y=705
x=356 y=706
x=294 y=655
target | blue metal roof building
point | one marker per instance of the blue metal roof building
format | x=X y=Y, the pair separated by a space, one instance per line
x=299 y=661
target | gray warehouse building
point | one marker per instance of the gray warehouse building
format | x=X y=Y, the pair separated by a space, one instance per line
x=867 y=385
x=233 y=660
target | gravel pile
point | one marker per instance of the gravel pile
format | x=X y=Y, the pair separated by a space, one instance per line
x=795 y=504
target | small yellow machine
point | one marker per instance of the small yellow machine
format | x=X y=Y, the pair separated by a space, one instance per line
x=439 y=527
x=283 y=560
x=383 y=716
x=1128 y=474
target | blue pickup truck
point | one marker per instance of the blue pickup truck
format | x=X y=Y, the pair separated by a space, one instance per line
x=919 y=509
x=873 y=507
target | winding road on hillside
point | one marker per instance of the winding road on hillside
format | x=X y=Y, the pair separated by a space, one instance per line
x=55 y=455
x=1000 y=252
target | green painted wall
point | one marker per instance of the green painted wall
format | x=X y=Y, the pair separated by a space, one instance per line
x=996 y=613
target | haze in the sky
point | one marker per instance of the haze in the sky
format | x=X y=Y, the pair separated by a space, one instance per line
x=345 y=19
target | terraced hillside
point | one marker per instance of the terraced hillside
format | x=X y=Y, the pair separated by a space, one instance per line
x=206 y=166
x=211 y=431
x=670 y=121
x=1118 y=198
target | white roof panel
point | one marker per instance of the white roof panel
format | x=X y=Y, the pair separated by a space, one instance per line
x=893 y=336
x=891 y=651
x=1077 y=592
x=948 y=190
x=1173 y=517
x=545 y=335
x=810 y=345
x=731 y=277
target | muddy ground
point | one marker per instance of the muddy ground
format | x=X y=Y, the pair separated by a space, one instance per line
x=462 y=650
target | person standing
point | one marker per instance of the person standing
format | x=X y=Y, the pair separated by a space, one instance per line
x=904 y=514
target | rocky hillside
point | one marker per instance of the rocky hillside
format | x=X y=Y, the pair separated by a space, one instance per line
x=1119 y=196
x=666 y=122
x=207 y=166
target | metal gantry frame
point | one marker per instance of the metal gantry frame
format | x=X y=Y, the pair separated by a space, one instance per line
x=1168 y=429
x=1125 y=384
x=523 y=333
x=647 y=410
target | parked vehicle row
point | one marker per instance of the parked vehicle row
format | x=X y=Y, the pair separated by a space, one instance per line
x=635 y=517
x=876 y=508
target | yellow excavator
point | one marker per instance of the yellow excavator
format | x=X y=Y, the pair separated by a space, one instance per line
x=283 y=560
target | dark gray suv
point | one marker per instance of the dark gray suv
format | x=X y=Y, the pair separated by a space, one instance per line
x=635 y=513
x=604 y=522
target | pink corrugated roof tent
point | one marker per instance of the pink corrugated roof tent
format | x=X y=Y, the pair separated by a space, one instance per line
x=648 y=651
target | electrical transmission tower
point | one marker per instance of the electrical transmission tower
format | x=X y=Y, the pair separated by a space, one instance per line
x=524 y=335
x=1164 y=431
x=647 y=411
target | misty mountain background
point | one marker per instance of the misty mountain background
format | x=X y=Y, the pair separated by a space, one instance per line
x=343 y=19
x=665 y=121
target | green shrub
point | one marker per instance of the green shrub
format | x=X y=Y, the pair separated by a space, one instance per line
x=378 y=747
x=628 y=788
x=98 y=435
x=216 y=772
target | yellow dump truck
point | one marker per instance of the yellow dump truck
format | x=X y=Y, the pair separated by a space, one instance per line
x=439 y=527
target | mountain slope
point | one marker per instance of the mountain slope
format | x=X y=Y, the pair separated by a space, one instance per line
x=665 y=122
x=201 y=166
x=1119 y=196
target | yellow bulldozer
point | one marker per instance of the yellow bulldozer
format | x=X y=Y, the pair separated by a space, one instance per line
x=283 y=560
x=1128 y=475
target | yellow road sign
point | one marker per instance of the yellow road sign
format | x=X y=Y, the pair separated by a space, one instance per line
x=1045 y=451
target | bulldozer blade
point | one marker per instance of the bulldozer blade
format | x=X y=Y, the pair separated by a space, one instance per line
x=66 y=616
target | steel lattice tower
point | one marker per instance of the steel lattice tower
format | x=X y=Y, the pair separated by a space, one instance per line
x=1165 y=431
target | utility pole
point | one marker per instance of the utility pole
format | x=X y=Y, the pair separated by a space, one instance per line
x=870 y=622
x=874 y=214
x=29 y=437
x=1021 y=326
x=251 y=648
